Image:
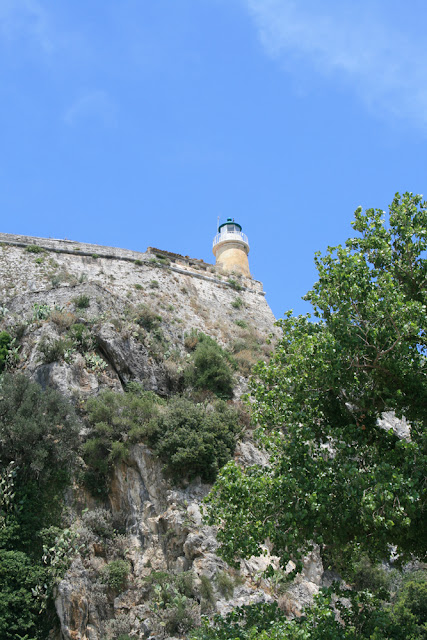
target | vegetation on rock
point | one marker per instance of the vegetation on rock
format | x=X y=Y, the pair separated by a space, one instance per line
x=337 y=477
x=210 y=366
x=39 y=439
x=362 y=617
x=190 y=438
x=5 y=342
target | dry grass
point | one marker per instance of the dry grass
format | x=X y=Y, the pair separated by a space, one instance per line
x=63 y=319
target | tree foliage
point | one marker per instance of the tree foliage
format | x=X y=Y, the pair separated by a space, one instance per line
x=363 y=617
x=19 y=609
x=116 y=420
x=5 y=342
x=38 y=443
x=336 y=476
x=210 y=367
x=194 y=439
x=38 y=429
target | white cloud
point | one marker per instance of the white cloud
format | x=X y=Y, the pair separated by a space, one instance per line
x=355 y=42
x=93 y=105
x=26 y=19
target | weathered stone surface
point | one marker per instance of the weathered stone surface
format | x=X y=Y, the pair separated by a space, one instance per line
x=161 y=526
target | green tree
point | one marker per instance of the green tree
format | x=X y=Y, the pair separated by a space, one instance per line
x=38 y=443
x=5 y=342
x=363 y=617
x=194 y=439
x=336 y=476
x=210 y=368
x=19 y=609
x=38 y=429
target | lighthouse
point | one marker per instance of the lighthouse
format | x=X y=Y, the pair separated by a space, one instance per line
x=231 y=248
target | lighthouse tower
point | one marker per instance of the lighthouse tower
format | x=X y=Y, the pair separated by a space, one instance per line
x=231 y=248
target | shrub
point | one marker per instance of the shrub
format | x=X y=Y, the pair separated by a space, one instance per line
x=147 y=318
x=179 y=617
x=19 y=330
x=191 y=341
x=368 y=576
x=138 y=263
x=210 y=367
x=154 y=284
x=115 y=420
x=94 y=362
x=41 y=311
x=212 y=372
x=82 y=301
x=39 y=432
x=82 y=338
x=225 y=584
x=160 y=259
x=53 y=350
x=234 y=284
x=248 y=349
x=19 y=609
x=100 y=522
x=172 y=602
x=34 y=248
x=38 y=429
x=169 y=584
x=410 y=609
x=191 y=439
x=246 y=359
x=237 y=303
x=63 y=319
x=115 y=574
x=206 y=589
x=138 y=286
x=5 y=343
x=241 y=323
x=194 y=439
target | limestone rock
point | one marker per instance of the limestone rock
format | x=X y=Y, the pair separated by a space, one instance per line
x=111 y=293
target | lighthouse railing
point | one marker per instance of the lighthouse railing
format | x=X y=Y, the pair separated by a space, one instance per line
x=226 y=235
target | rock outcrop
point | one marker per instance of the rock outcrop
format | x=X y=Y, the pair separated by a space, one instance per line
x=134 y=313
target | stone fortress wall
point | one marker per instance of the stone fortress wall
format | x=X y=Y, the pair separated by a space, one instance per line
x=178 y=263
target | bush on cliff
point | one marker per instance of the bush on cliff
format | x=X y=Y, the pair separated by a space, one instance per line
x=194 y=439
x=39 y=439
x=112 y=417
x=5 y=342
x=190 y=438
x=210 y=366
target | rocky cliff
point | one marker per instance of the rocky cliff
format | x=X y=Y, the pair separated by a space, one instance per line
x=137 y=314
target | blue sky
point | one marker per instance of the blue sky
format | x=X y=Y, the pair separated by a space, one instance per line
x=137 y=123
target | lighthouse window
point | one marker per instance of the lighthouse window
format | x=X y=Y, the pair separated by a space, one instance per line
x=231 y=228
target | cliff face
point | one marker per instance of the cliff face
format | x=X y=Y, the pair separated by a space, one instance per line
x=138 y=311
x=185 y=294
